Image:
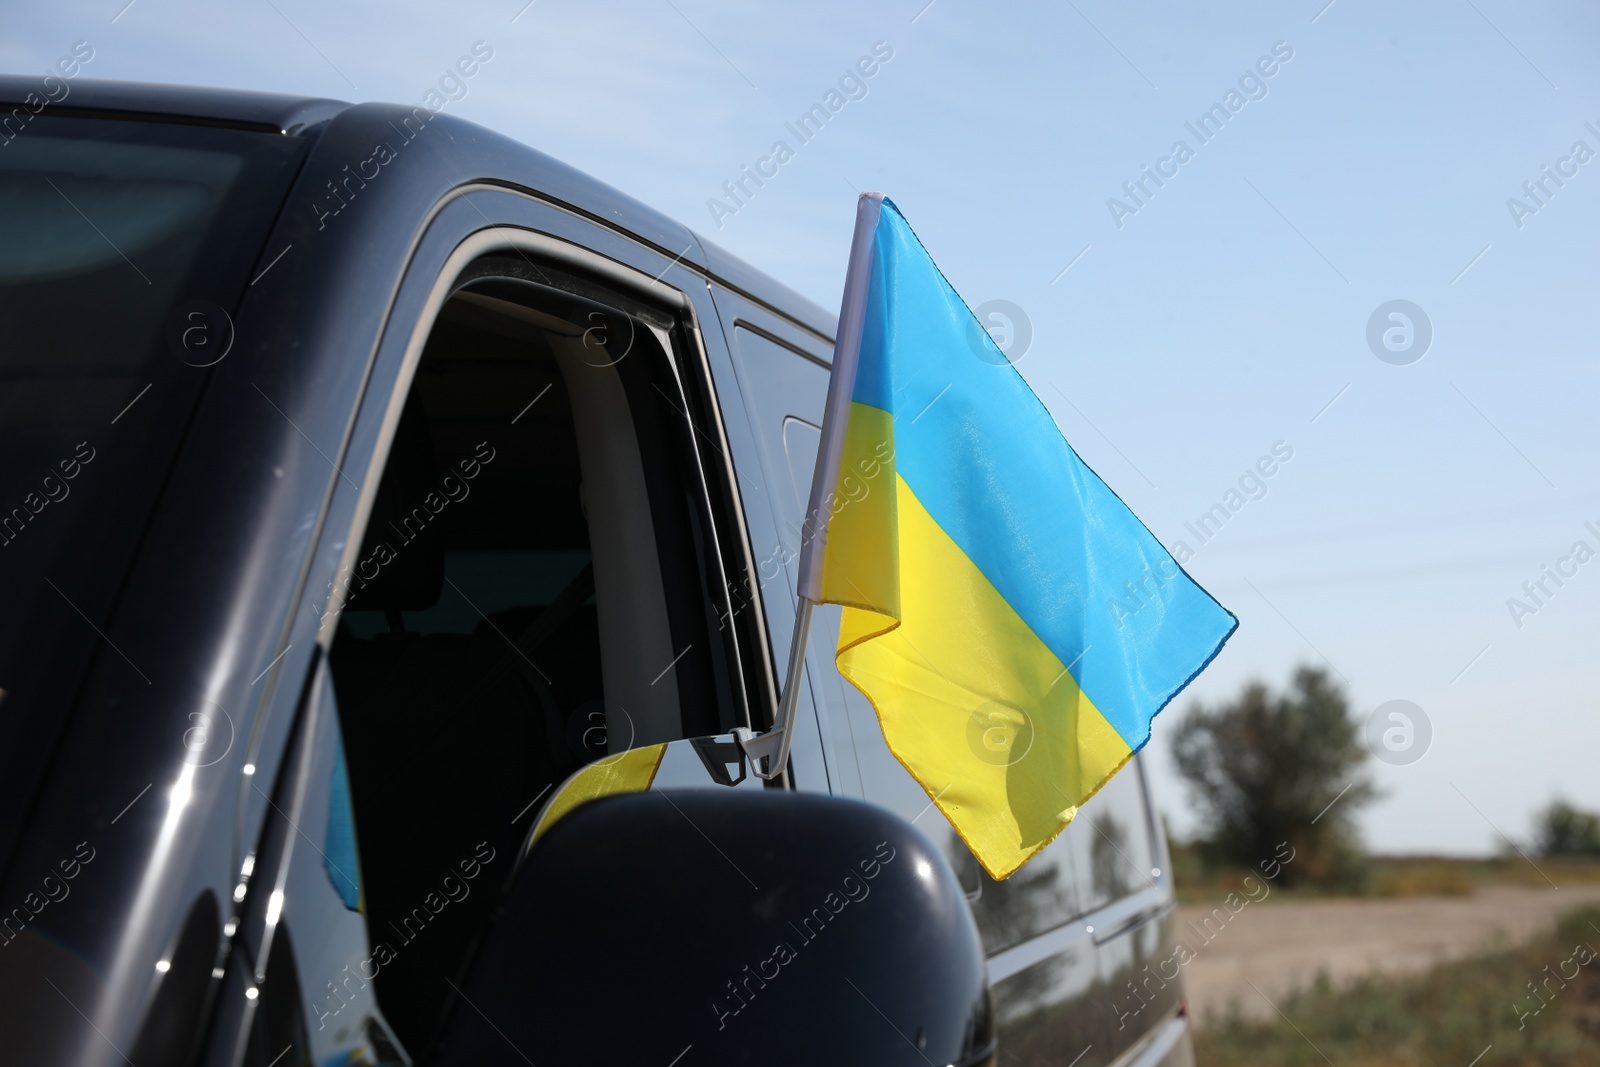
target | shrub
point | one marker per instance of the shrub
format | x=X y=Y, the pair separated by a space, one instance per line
x=1265 y=769
x=1563 y=830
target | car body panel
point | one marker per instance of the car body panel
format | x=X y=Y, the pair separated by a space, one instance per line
x=268 y=112
x=226 y=604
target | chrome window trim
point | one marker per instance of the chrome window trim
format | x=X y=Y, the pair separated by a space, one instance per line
x=1097 y=927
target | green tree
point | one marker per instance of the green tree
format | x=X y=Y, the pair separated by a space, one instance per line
x=1563 y=830
x=1265 y=767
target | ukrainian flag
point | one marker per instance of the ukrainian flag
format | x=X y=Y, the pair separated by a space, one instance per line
x=985 y=571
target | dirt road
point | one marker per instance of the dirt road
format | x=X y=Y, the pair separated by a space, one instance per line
x=1281 y=945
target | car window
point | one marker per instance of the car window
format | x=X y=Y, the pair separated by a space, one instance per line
x=1104 y=855
x=123 y=255
x=536 y=589
x=303 y=925
x=1110 y=841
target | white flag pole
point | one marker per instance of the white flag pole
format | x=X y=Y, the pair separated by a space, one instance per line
x=774 y=744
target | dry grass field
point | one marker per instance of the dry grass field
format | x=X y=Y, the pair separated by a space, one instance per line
x=1435 y=961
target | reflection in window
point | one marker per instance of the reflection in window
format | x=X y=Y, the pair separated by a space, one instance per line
x=1031 y=901
x=1113 y=875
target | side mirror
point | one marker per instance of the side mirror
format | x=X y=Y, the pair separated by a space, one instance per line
x=694 y=927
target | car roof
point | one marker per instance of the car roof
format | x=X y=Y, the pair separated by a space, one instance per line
x=299 y=115
x=265 y=112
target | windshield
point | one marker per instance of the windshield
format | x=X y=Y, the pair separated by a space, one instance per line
x=125 y=247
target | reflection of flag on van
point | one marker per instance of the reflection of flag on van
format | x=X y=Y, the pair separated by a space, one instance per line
x=976 y=557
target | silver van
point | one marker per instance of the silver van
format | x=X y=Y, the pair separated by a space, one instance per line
x=368 y=480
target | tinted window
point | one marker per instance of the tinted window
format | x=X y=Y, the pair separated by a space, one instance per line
x=1110 y=841
x=124 y=250
x=1103 y=855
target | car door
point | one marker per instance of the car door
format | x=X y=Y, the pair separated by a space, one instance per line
x=533 y=561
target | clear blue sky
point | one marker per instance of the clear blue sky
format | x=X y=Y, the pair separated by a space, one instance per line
x=1220 y=318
